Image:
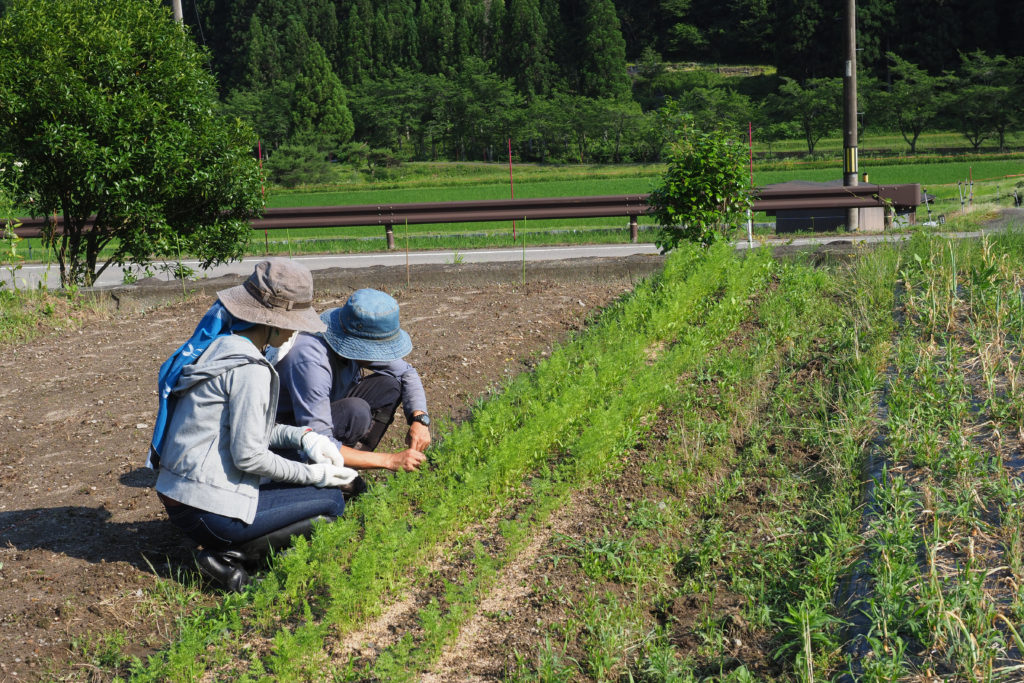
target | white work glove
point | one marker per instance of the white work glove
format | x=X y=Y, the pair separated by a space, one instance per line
x=319 y=449
x=332 y=475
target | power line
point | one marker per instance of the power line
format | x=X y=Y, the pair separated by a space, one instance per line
x=199 y=23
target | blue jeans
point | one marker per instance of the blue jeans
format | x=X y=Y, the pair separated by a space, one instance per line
x=279 y=505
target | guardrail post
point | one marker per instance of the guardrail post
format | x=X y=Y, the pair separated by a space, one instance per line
x=389 y=232
x=634 y=230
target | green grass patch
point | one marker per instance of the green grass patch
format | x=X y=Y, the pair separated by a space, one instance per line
x=890 y=143
x=25 y=314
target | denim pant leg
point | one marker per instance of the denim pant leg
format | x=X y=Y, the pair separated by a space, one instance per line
x=369 y=406
x=351 y=417
x=279 y=505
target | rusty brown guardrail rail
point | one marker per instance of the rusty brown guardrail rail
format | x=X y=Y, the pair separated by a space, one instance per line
x=772 y=198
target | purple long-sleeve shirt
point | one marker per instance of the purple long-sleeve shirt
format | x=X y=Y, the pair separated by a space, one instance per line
x=313 y=376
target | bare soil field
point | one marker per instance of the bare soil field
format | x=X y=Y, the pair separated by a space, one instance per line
x=82 y=535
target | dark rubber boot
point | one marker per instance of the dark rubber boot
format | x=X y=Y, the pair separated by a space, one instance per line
x=382 y=419
x=232 y=568
x=254 y=552
x=354 y=489
x=225 y=567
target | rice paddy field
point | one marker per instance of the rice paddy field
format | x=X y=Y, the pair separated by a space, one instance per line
x=954 y=185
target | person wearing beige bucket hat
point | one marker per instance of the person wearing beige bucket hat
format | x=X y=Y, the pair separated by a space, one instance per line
x=231 y=478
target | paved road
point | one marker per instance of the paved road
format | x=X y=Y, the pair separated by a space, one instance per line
x=32 y=275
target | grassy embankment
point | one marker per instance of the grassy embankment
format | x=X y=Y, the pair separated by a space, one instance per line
x=27 y=313
x=889 y=144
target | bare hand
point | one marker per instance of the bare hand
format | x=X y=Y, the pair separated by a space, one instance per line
x=418 y=437
x=408 y=460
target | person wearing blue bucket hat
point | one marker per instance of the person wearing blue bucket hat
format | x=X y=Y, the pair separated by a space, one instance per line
x=348 y=381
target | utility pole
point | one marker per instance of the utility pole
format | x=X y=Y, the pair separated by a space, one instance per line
x=176 y=8
x=850 y=166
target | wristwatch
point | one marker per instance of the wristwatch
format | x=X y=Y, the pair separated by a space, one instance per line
x=422 y=418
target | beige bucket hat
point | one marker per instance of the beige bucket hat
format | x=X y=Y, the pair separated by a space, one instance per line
x=279 y=293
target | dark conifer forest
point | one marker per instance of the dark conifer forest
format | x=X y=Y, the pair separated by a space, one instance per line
x=376 y=82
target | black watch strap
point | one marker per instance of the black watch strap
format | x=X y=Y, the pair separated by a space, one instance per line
x=422 y=418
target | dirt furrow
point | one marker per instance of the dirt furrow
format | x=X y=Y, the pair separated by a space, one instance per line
x=79 y=525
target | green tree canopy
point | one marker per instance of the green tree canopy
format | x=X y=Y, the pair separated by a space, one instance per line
x=816 y=106
x=320 y=114
x=913 y=102
x=603 y=53
x=986 y=98
x=109 y=108
x=526 y=53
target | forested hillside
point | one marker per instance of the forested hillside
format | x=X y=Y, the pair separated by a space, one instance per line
x=579 y=45
x=371 y=83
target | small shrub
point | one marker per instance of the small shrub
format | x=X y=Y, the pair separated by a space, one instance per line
x=294 y=165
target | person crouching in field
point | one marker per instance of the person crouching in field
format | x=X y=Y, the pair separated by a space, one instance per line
x=347 y=383
x=215 y=438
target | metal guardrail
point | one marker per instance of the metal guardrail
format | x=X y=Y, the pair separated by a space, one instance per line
x=770 y=199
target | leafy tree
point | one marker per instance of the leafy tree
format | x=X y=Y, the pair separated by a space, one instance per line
x=816 y=106
x=471 y=30
x=876 y=29
x=356 y=63
x=392 y=113
x=437 y=35
x=717 y=107
x=913 y=101
x=491 y=37
x=546 y=129
x=320 y=114
x=642 y=24
x=719 y=30
x=266 y=108
x=110 y=109
x=226 y=30
x=986 y=98
x=587 y=124
x=265 y=65
x=397 y=43
x=808 y=35
x=703 y=195
x=685 y=36
x=750 y=29
x=770 y=130
x=621 y=129
x=491 y=110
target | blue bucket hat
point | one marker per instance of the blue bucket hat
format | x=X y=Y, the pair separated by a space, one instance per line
x=366 y=328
